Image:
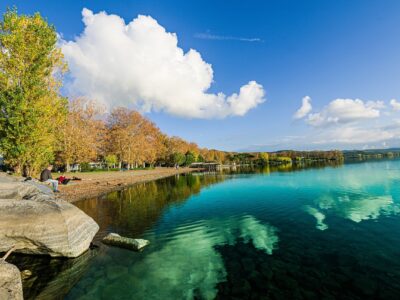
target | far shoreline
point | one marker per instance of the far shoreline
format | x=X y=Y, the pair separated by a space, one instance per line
x=95 y=184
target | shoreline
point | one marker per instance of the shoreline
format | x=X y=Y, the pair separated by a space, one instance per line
x=95 y=184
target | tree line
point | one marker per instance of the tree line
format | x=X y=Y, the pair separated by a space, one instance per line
x=38 y=125
x=122 y=138
x=309 y=155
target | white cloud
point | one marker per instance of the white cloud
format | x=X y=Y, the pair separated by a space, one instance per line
x=351 y=135
x=304 y=109
x=375 y=104
x=341 y=111
x=139 y=64
x=395 y=104
x=208 y=36
x=383 y=133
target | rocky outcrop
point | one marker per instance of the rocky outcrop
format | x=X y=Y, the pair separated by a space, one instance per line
x=115 y=239
x=10 y=282
x=35 y=222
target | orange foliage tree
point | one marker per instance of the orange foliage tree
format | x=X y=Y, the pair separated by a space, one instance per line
x=82 y=134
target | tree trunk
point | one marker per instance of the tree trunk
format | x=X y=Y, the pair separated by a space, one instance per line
x=17 y=169
x=26 y=171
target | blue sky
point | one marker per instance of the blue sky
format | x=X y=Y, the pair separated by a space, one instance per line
x=335 y=52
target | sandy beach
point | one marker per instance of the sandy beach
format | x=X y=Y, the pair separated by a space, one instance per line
x=97 y=183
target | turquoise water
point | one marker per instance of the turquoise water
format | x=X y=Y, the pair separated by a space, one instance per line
x=327 y=233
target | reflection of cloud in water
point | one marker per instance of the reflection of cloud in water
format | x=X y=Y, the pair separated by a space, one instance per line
x=188 y=265
x=366 y=208
x=263 y=237
x=319 y=216
x=353 y=207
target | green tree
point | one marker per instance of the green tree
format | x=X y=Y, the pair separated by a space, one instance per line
x=284 y=159
x=189 y=158
x=200 y=158
x=263 y=157
x=178 y=158
x=31 y=108
x=111 y=160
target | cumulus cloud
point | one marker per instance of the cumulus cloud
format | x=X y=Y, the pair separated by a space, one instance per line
x=340 y=111
x=140 y=64
x=357 y=135
x=395 y=104
x=345 y=123
x=354 y=135
x=304 y=109
x=376 y=104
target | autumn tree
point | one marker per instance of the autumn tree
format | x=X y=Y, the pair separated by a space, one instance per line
x=210 y=156
x=133 y=138
x=83 y=133
x=31 y=108
x=175 y=150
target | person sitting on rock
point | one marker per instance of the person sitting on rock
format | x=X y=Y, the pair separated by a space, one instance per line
x=45 y=176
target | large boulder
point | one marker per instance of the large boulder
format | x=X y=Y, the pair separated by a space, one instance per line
x=10 y=282
x=35 y=222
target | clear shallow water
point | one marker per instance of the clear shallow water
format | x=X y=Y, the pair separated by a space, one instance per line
x=330 y=233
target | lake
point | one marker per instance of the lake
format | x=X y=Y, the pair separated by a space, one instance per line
x=315 y=233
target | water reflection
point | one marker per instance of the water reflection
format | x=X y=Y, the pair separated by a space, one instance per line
x=354 y=207
x=51 y=278
x=133 y=210
x=281 y=168
x=187 y=266
x=318 y=215
x=202 y=249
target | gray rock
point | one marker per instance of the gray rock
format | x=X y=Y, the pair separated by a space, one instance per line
x=35 y=222
x=10 y=282
x=114 y=239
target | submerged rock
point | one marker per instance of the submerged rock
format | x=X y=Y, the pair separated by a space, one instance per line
x=26 y=274
x=10 y=282
x=35 y=222
x=114 y=239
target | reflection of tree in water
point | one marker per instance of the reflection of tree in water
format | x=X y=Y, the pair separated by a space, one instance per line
x=133 y=210
x=282 y=167
x=52 y=278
